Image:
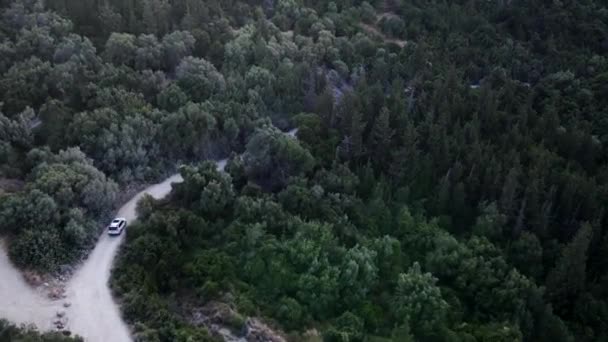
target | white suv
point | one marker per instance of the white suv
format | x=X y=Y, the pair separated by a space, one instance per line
x=117 y=226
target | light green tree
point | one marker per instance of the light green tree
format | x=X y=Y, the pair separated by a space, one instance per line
x=120 y=49
x=418 y=298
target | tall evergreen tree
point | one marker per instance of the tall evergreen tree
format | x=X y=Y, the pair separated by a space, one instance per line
x=355 y=136
x=380 y=137
x=567 y=279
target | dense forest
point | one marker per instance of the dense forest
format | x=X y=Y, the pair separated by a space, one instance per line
x=448 y=182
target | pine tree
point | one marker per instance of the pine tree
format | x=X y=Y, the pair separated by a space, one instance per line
x=381 y=136
x=405 y=158
x=396 y=104
x=113 y=21
x=443 y=194
x=567 y=280
x=150 y=16
x=509 y=192
x=357 y=149
x=458 y=203
x=325 y=107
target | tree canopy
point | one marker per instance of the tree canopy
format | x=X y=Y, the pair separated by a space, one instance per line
x=448 y=181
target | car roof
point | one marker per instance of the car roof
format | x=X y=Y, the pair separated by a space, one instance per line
x=115 y=222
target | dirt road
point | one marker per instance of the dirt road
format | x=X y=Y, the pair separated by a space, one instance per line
x=92 y=312
x=88 y=309
x=20 y=303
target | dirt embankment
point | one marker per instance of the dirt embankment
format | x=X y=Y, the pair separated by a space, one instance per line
x=374 y=30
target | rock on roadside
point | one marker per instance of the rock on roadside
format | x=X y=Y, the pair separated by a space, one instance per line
x=56 y=293
x=258 y=331
x=220 y=319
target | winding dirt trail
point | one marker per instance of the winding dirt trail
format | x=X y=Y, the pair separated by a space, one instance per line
x=92 y=312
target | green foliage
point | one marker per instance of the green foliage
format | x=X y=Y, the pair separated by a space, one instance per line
x=198 y=129
x=176 y=46
x=37 y=248
x=120 y=49
x=418 y=299
x=18 y=132
x=567 y=279
x=271 y=158
x=347 y=327
x=205 y=190
x=464 y=137
x=490 y=223
x=526 y=254
x=25 y=84
x=52 y=220
x=10 y=332
x=199 y=78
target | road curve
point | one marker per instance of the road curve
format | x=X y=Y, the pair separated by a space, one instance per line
x=92 y=312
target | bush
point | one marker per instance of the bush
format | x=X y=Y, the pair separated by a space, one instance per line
x=393 y=26
x=236 y=322
x=290 y=312
x=145 y=206
x=40 y=249
x=209 y=290
x=10 y=332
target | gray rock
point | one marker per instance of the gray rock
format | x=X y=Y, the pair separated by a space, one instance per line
x=66 y=269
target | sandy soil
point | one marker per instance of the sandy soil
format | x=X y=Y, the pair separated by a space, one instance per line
x=18 y=301
x=373 y=30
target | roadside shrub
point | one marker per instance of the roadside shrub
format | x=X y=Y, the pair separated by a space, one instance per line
x=12 y=333
x=40 y=249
